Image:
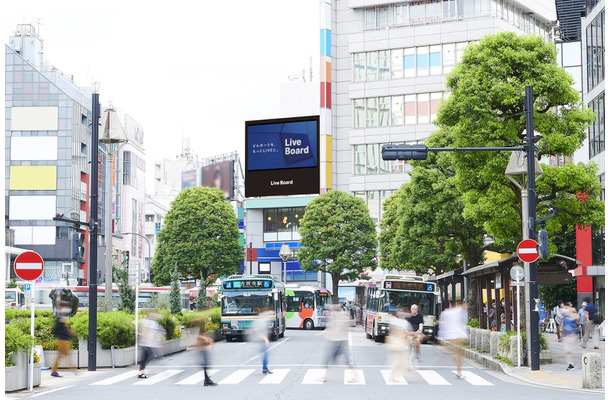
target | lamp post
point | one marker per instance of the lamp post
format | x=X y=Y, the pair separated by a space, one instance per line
x=137 y=286
x=113 y=139
x=285 y=253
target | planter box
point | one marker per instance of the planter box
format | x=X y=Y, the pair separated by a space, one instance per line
x=107 y=358
x=51 y=355
x=545 y=356
x=16 y=378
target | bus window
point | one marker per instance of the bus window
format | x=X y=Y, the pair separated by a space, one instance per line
x=293 y=304
x=308 y=302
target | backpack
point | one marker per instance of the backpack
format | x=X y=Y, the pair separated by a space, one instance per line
x=558 y=315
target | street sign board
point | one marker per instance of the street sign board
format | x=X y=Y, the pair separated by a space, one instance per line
x=517 y=283
x=27 y=287
x=517 y=272
x=527 y=250
x=28 y=265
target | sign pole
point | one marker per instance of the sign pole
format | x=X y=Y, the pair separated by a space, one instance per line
x=518 y=327
x=31 y=374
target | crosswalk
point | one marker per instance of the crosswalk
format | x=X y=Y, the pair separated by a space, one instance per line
x=304 y=376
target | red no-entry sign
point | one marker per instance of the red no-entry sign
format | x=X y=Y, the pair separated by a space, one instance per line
x=527 y=250
x=28 y=266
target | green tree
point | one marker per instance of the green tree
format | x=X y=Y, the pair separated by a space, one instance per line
x=201 y=300
x=200 y=237
x=174 y=294
x=127 y=297
x=485 y=109
x=338 y=236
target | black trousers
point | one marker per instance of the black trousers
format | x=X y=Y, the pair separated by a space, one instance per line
x=149 y=354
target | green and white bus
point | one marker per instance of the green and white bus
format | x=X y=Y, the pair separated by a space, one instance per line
x=244 y=297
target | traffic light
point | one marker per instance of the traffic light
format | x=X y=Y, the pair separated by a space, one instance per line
x=78 y=246
x=543 y=240
x=404 y=152
x=126 y=258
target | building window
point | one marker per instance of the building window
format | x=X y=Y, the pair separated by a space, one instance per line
x=371 y=66
x=384 y=111
x=359 y=159
x=62 y=232
x=371 y=112
x=359 y=67
x=282 y=223
x=372 y=159
x=597 y=129
x=595 y=51
x=127 y=168
x=359 y=113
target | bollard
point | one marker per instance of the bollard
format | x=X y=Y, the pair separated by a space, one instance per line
x=591 y=371
x=473 y=337
x=484 y=340
x=494 y=342
x=514 y=346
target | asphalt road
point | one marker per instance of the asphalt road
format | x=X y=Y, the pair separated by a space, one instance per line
x=298 y=363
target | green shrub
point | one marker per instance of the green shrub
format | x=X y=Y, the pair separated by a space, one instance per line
x=11 y=314
x=505 y=339
x=474 y=323
x=114 y=328
x=14 y=342
x=169 y=324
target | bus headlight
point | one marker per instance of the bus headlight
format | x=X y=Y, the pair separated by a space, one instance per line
x=225 y=326
x=271 y=324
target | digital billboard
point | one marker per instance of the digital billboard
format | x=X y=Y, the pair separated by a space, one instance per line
x=189 y=179
x=283 y=156
x=219 y=176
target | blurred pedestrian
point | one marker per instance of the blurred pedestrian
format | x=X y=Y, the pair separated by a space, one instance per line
x=63 y=335
x=569 y=333
x=416 y=326
x=151 y=338
x=452 y=331
x=592 y=321
x=558 y=316
x=397 y=344
x=260 y=332
x=582 y=320
x=492 y=316
x=205 y=343
x=336 y=334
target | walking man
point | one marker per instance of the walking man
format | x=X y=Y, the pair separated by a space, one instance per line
x=452 y=331
x=591 y=323
x=260 y=331
x=416 y=325
x=150 y=339
x=336 y=334
x=63 y=335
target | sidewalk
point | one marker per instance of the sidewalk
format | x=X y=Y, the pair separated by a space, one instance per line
x=553 y=374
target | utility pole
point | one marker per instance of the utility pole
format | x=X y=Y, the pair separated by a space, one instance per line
x=91 y=339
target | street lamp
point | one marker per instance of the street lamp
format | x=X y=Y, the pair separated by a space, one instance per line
x=137 y=286
x=285 y=253
x=113 y=139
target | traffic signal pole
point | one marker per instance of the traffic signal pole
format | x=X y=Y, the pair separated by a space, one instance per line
x=91 y=339
x=420 y=152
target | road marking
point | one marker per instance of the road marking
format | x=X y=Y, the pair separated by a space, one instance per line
x=314 y=376
x=116 y=378
x=269 y=349
x=276 y=377
x=51 y=391
x=196 y=377
x=353 y=377
x=433 y=377
x=400 y=380
x=474 y=379
x=236 y=377
x=158 y=377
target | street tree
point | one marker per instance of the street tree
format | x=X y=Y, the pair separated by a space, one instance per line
x=174 y=294
x=127 y=298
x=338 y=236
x=485 y=108
x=200 y=237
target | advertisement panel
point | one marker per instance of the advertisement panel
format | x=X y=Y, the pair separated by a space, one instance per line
x=189 y=179
x=219 y=176
x=282 y=156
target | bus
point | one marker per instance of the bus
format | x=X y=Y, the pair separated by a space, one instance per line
x=14 y=298
x=243 y=297
x=397 y=292
x=306 y=307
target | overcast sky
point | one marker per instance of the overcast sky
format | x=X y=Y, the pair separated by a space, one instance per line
x=193 y=68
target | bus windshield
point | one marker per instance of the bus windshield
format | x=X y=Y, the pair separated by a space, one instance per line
x=322 y=299
x=10 y=295
x=245 y=303
x=395 y=299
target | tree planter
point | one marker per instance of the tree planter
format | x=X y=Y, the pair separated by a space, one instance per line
x=16 y=377
x=545 y=356
x=106 y=357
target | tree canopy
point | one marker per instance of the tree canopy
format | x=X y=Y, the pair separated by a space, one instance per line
x=200 y=237
x=455 y=198
x=339 y=237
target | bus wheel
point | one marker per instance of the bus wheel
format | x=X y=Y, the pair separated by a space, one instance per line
x=274 y=337
x=368 y=336
x=308 y=324
x=281 y=335
x=228 y=338
x=377 y=338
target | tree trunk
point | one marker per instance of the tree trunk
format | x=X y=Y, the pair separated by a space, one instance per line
x=335 y=277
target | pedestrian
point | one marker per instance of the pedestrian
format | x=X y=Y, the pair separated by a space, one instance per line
x=260 y=332
x=151 y=337
x=492 y=316
x=569 y=332
x=592 y=321
x=452 y=332
x=558 y=316
x=63 y=335
x=336 y=334
x=205 y=343
x=396 y=343
x=582 y=320
x=502 y=311
x=416 y=326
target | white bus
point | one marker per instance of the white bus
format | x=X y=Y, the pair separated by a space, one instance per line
x=243 y=297
x=306 y=307
x=14 y=298
x=399 y=293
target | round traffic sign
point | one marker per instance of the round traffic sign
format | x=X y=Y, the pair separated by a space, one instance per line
x=517 y=272
x=527 y=250
x=28 y=265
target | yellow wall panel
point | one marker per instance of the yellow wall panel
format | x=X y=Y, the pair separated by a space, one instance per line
x=33 y=178
x=329 y=176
